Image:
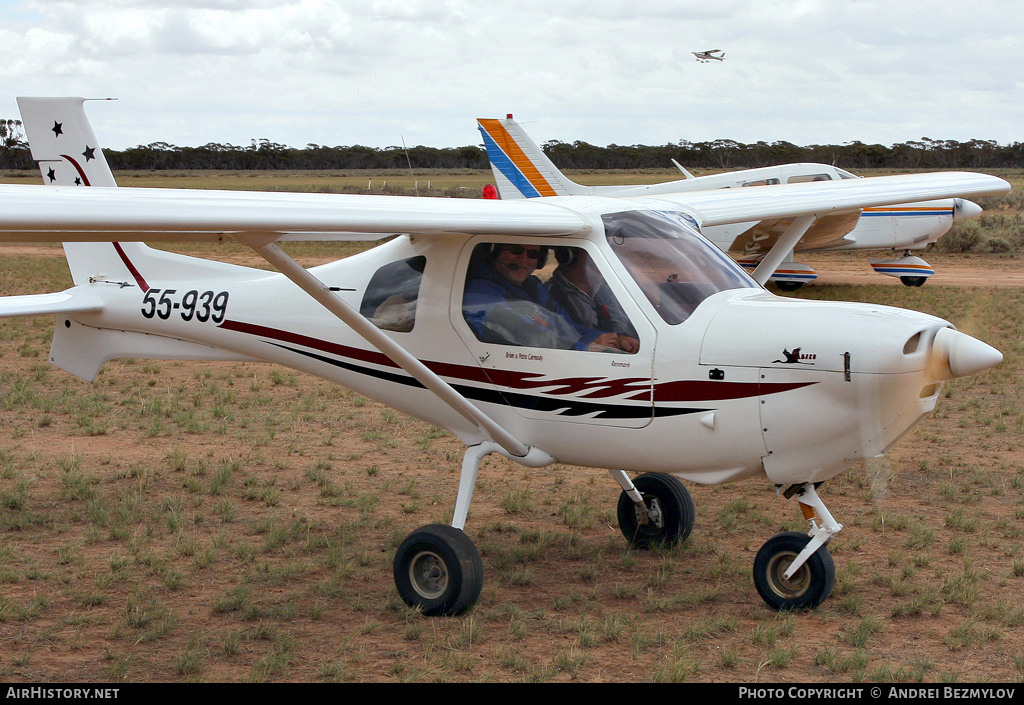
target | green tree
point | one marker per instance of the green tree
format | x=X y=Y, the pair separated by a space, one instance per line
x=12 y=136
x=14 y=152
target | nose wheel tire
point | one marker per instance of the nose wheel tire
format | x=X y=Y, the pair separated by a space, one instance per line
x=438 y=569
x=808 y=587
x=671 y=520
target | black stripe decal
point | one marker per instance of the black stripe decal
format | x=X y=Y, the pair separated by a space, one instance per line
x=561 y=407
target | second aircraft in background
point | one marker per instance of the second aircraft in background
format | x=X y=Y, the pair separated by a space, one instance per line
x=522 y=170
x=706 y=56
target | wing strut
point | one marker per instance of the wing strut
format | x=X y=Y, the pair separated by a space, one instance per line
x=782 y=247
x=265 y=247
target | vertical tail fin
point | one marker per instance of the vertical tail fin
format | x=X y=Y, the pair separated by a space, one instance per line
x=520 y=167
x=63 y=142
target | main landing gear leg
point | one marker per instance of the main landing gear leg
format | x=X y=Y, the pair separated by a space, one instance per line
x=794 y=570
x=437 y=568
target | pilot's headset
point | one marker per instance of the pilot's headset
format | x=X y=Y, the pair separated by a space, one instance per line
x=494 y=249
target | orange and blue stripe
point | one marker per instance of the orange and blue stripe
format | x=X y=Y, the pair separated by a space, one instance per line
x=898 y=269
x=894 y=211
x=508 y=158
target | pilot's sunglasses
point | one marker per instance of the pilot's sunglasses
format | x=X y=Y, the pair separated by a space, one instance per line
x=516 y=250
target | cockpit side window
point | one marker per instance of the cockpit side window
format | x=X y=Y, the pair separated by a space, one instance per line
x=805 y=178
x=530 y=295
x=671 y=262
x=391 y=295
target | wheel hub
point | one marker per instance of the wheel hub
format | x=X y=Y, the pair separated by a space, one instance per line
x=428 y=575
x=795 y=585
x=650 y=517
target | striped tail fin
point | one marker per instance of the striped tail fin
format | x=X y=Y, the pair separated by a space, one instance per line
x=520 y=167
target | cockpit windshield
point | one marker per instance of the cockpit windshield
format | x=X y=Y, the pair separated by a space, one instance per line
x=674 y=266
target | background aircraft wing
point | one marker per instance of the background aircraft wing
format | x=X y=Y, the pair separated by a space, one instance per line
x=828 y=198
x=826 y=231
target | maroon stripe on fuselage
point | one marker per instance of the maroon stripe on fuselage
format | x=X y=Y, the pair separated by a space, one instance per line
x=701 y=390
x=596 y=387
x=371 y=356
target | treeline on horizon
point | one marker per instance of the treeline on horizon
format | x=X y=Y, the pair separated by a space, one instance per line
x=717 y=154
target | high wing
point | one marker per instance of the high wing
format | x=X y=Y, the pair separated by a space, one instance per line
x=55 y=214
x=60 y=214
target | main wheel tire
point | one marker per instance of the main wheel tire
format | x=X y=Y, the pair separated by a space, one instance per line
x=913 y=281
x=788 y=286
x=438 y=569
x=671 y=498
x=808 y=587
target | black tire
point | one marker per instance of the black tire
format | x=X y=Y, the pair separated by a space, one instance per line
x=788 y=286
x=913 y=281
x=809 y=586
x=438 y=569
x=677 y=512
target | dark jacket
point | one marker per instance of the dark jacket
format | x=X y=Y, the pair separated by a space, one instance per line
x=500 y=311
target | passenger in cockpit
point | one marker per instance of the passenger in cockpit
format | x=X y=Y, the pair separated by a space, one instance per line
x=580 y=289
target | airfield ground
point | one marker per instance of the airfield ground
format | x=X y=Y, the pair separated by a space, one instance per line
x=236 y=522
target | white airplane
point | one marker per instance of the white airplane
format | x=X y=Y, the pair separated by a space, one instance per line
x=522 y=170
x=706 y=56
x=717 y=380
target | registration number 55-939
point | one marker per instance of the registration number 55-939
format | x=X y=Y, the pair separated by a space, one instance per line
x=202 y=306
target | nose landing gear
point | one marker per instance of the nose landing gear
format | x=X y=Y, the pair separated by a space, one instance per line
x=808 y=586
x=794 y=570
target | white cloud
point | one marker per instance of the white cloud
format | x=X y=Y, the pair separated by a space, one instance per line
x=602 y=71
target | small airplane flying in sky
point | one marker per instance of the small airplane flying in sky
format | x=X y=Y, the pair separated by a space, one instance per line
x=596 y=332
x=709 y=55
x=522 y=170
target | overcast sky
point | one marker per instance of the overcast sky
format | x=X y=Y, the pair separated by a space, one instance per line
x=375 y=72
